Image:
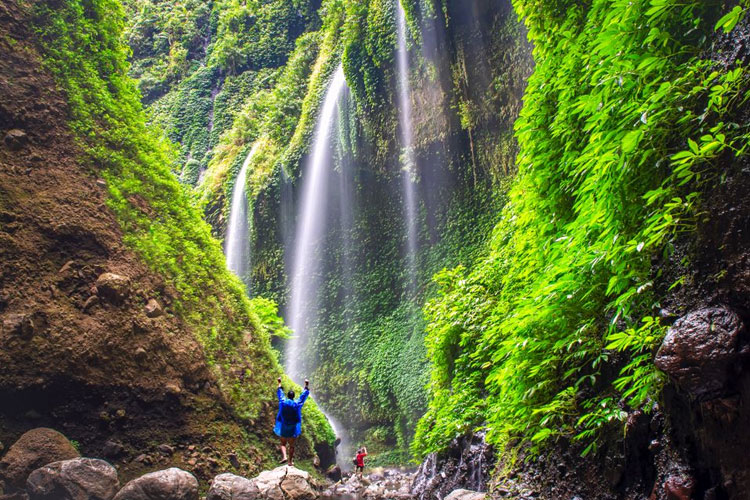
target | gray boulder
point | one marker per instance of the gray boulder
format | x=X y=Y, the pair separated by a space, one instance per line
x=169 y=484
x=75 y=479
x=232 y=487
x=34 y=449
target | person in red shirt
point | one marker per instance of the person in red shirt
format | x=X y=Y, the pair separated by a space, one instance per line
x=361 y=454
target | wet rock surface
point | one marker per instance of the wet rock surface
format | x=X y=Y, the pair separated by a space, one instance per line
x=702 y=351
x=232 y=487
x=75 y=479
x=172 y=484
x=391 y=484
x=467 y=464
x=34 y=449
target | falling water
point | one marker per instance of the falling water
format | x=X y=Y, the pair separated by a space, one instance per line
x=307 y=257
x=308 y=247
x=407 y=143
x=237 y=249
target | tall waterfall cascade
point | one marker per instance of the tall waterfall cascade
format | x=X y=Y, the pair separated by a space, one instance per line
x=309 y=243
x=237 y=247
x=408 y=164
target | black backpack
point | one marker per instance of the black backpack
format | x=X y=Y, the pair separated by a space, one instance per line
x=289 y=414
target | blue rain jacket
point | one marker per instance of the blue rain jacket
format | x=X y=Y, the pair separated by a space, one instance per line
x=289 y=417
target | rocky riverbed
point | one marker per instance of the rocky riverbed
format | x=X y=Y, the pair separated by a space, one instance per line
x=44 y=465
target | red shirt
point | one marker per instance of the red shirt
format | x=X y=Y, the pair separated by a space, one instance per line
x=361 y=459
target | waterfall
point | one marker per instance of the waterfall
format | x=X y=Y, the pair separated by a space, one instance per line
x=237 y=248
x=309 y=245
x=408 y=166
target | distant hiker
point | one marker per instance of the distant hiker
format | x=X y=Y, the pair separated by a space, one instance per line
x=359 y=460
x=289 y=420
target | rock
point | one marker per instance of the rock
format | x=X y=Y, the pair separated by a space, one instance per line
x=297 y=486
x=334 y=473
x=169 y=484
x=679 y=487
x=16 y=139
x=35 y=449
x=701 y=351
x=234 y=460
x=66 y=267
x=285 y=483
x=231 y=487
x=153 y=309
x=19 y=324
x=165 y=449
x=113 y=287
x=465 y=495
x=173 y=388
x=113 y=449
x=90 y=302
x=75 y=479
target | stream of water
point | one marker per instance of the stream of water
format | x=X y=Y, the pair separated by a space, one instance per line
x=408 y=165
x=308 y=245
x=237 y=247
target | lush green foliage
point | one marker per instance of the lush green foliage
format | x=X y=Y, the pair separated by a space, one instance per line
x=622 y=123
x=80 y=40
x=197 y=62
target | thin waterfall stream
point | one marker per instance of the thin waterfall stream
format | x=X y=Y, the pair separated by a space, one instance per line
x=408 y=164
x=237 y=248
x=308 y=245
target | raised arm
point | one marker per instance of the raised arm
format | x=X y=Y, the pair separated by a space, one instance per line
x=305 y=393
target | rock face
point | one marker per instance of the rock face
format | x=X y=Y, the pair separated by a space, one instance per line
x=35 y=449
x=169 y=484
x=231 y=487
x=702 y=351
x=75 y=479
x=465 y=464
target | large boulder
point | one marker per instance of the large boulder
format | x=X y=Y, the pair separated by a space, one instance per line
x=35 y=449
x=285 y=483
x=702 y=350
x=75 y=479
x=169 y=484
x=232 y=487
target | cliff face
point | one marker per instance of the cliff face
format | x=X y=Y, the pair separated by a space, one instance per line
x=94 y=342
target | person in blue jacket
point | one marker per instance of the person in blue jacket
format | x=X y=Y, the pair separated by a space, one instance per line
x=289 y=420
